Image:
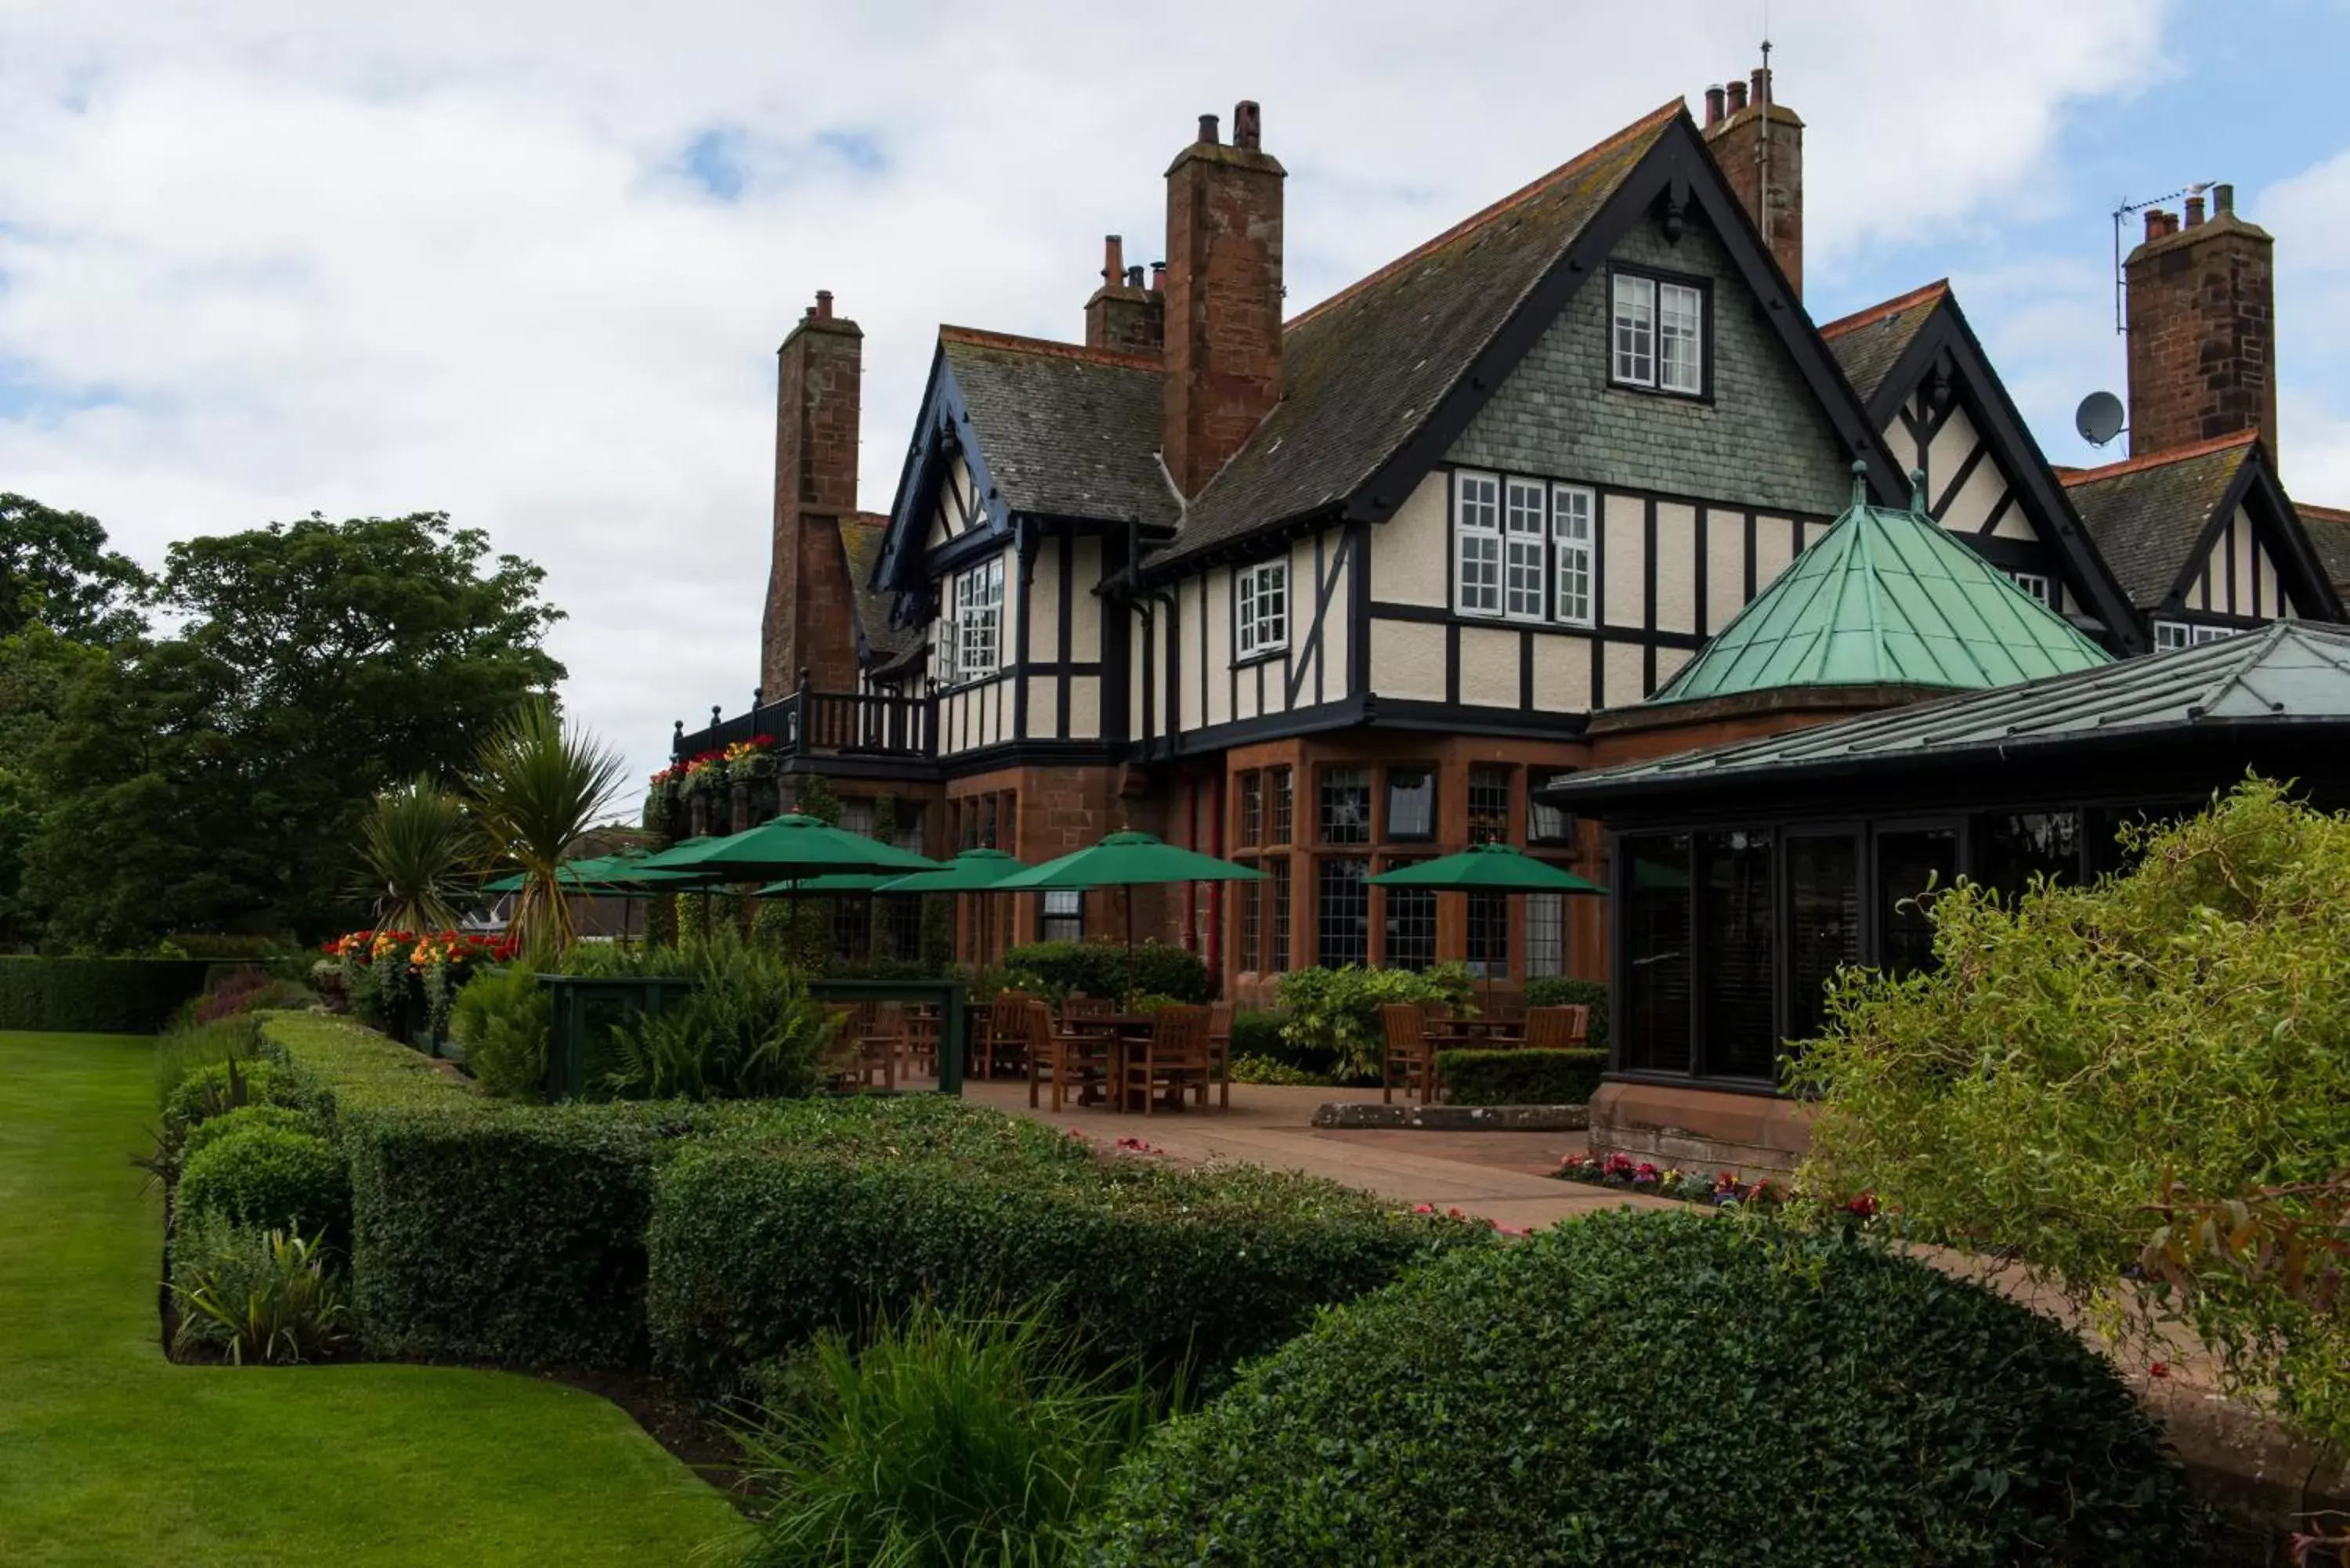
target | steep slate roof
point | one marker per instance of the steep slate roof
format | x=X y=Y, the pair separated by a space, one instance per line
x=1885 y=597
x=1362 y=370
x=860 y=541
x=2328 y=528
x=2146 y=514
x=1869 y=343
x=1067 y=431
x=2287 y=674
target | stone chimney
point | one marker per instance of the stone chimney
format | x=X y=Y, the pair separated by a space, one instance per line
x=1759 y=142
x=1222 y=298
x=808 y=623
x=2201 y=302
x=1123 y=315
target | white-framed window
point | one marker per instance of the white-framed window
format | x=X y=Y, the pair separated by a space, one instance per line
x=977 y=620
x=1571 y=531
x=2175 y=634
x=1477 y=544
x=1063 y=918
x=1264 y=601
x=1656 y=334
x=2038 y=585
x=1523 y=565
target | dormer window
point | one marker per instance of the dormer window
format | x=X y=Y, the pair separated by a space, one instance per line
x=1657 y=336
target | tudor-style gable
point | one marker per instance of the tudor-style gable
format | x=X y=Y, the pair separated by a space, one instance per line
x=2205 y=540
x=1923 y=374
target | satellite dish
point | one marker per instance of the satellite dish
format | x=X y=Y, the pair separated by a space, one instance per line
x=2099 y=418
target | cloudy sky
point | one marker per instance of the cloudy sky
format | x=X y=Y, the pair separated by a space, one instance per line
x=528 y=262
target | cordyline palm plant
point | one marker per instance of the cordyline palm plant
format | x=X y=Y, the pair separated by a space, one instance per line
x=537 y=786
x=422 y=848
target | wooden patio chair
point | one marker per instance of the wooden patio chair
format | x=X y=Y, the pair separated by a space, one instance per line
x=1219 y=1056
x=848 y=1060
x=1175 y=1054
x=1000 y=1034
x=1409 y=1059
x=1061 y=1058
x=1077 y=1004
x=920 y=1042
x=1562 y=1028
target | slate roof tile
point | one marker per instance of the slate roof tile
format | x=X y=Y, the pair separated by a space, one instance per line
x=1869 y=343
x=1067 y=431
x=2148 y=514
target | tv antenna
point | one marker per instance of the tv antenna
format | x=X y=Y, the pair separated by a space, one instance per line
x=2124 y=211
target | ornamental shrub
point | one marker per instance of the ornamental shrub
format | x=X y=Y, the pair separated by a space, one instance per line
x=502 y=1019
x=747 y=1030
x=285 y=1118
x=1520 y=1077
x=761 y=1241
x=1109 y=969
x=270 y=1178
x=2075 y=1047
x=1333 y=1024
x=219 y=1088
x=252 y=1295
x=1558 y=991
x=1645 y=1388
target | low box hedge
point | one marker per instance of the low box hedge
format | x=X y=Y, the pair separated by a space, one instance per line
x=1560 y=990
x=1520 y=1077
x=95 y=995
x=758 y=1243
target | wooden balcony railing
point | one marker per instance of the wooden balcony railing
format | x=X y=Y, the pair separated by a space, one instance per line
x=809 y=722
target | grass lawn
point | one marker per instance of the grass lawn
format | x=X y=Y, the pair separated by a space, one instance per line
x=109 y=1454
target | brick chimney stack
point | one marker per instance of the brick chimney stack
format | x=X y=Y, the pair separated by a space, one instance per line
x=1222 y=298
x=1123 y=315
x=1759 y=142
x=807 y=625
x=2201 y=308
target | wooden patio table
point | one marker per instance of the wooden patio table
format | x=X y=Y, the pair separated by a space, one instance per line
x=1122 y=1028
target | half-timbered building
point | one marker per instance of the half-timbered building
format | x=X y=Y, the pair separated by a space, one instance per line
x=1331 y=594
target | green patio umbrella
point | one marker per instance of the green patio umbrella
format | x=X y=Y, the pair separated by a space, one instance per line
x=1486 y=869
x=973 y=871
x=791 y=846
x=1128 y=860
x=831 y=882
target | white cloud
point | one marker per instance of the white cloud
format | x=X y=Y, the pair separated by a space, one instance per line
x=444 y=254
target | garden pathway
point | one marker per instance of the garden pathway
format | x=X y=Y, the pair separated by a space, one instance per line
x=1499 y=1176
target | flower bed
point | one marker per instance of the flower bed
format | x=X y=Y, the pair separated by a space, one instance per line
x=403 y=981
x=1625 y=1174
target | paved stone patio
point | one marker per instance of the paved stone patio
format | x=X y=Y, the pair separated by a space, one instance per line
x=1497 y=1174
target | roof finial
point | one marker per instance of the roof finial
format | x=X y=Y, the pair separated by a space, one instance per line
x=1918 y=491
x=1860 y=481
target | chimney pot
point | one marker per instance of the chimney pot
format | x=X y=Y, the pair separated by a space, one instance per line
x=824 y=305
x=2223 y=200
x=2194 y=212
x=1134 y=275
x=1247 y=129
x=1713 y=96
x=2154 y=223
x=1157 y=275
x=1113 y=259
x=1207 y=131
x=1735 y=94
x=1762 y=84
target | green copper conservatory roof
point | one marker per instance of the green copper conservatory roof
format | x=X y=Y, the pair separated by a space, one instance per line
x=1885 y=597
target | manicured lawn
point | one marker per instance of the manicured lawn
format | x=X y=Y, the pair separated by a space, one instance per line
x=111 y=1455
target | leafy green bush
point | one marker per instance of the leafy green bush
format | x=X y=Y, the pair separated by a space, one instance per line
x=255 y=1296
x=1333 y=1025
x=274 y=1177
x=1650 y=1389
x=2075 y=1047
x=1557 y=990
x=1258 y=1033
x=747 y=1030
x=95 y=995
x=502 y=1018
x=760 y=1241
x=939 y=1443
x=284 y=1118
x=1520 y=1077
x=184 y=1047
x=1109 y=969
x=1272 y=1070
x=220 y=1088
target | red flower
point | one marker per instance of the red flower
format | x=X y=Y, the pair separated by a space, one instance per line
x=2157 y=1369
x=1865 y=1206
x=1423 y=1208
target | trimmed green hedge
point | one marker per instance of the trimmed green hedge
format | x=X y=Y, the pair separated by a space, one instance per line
x=1556 y=991
x=1109 y=969
x=760 y=1241
x=1664 y=1388
x=1520 y=1077
x=96 y=996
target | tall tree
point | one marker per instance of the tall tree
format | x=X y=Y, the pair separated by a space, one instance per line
x=217 y=778
x=56 y=571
